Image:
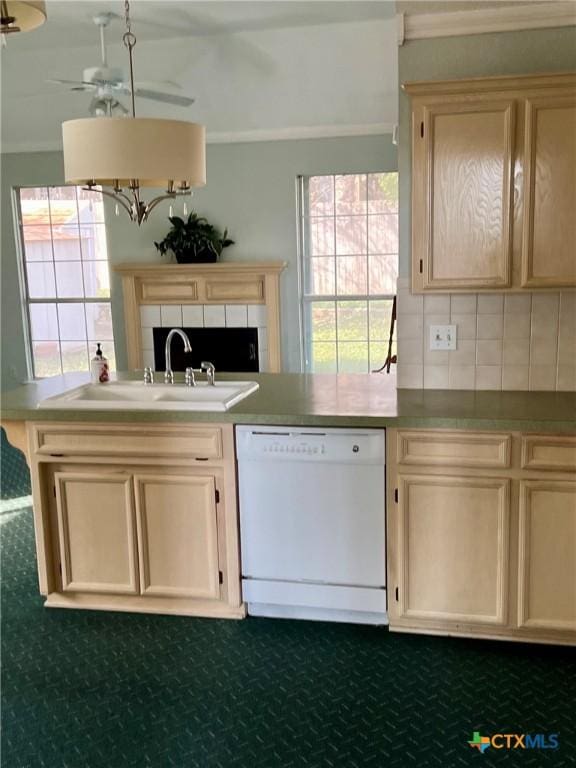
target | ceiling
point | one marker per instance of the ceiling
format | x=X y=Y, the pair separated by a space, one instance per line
x=165 y=19
x=255 y=68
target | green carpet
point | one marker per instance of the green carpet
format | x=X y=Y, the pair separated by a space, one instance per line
x=91 y=690
x=14 y=475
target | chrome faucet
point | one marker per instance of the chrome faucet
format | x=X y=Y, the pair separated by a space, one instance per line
x=169 y=374
x=210 y=372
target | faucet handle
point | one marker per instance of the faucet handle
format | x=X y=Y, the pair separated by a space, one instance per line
x=189 y=378
x=210 y=372
x=148 y=375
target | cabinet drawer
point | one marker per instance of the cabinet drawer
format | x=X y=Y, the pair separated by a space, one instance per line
x=454 y=449
x=118 y=440
x=546 y=452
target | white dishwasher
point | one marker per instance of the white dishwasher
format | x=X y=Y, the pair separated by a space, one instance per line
x=312 y=522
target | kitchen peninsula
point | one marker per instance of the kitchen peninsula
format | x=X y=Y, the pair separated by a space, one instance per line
x=481 y=500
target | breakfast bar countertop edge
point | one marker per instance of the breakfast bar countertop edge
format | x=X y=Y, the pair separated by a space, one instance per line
x=337 y=400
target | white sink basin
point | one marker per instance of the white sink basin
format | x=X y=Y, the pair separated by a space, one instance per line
x=134 y=395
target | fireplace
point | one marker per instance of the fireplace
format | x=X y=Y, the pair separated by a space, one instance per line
x=233 y=350
x=230 y=309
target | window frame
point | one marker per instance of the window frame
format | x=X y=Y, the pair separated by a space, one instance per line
x=306 y=299
x=26 y=301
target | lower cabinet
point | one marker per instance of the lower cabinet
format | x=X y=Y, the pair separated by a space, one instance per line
x=177 y=535
x=453 y=548
x=487 y=551
x=547 y=555
x=125 y=533
x=96 y=532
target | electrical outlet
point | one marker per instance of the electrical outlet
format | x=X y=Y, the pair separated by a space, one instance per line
x=442 y=337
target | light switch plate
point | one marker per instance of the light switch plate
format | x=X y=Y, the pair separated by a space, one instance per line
x=442 y=337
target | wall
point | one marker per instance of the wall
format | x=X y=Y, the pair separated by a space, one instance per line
x=251 y=190
x=505 y=53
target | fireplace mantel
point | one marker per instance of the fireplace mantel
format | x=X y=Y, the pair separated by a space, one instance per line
x=222 y=283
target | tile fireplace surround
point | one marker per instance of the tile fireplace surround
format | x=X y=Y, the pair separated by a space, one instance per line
x=220 y=295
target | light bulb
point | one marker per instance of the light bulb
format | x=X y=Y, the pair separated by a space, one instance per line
x=117 y=109
x=170 y=212
x=99 y=107
x=185 y=210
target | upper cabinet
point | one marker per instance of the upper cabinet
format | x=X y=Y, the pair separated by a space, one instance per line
x=549 y=226
x=494 y=183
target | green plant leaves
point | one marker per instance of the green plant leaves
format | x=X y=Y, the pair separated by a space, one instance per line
x=194 y=239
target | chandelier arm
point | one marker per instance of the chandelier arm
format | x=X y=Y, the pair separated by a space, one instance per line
x=154 y=202
x=118 y=197
x=117 y=194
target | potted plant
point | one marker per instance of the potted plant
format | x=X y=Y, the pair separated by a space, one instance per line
x=194 y=240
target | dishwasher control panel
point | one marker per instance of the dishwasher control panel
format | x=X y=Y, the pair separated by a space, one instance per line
x=310 y=444
x=302 y=448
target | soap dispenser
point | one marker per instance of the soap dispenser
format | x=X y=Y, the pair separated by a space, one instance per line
x=99 y=369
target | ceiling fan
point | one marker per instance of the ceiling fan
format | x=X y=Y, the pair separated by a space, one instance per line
x=108 y=83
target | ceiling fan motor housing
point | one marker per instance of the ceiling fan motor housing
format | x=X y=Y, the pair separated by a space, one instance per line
x=99 y=75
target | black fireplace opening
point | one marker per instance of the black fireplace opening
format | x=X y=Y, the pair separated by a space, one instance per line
x=232 y=350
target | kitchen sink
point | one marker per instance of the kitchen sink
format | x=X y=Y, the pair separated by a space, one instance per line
x=134 y=395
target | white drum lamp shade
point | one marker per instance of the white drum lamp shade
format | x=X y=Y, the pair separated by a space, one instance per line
x=118 y=151
x=27 y=15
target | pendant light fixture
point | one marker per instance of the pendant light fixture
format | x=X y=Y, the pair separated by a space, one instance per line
x=17 y=16
x=121 y=155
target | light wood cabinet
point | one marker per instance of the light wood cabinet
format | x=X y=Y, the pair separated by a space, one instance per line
x=131 y=528
x=547 y=561
x=463 y=165
x=486 y=550
x=97 y=534
x=549 y=235
x=494 y=183
x=177 y=535
x=453 y=548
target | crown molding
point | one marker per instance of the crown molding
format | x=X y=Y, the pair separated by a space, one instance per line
x=241 y=137
x=299 y=132
x=499 y=83
x=477 y=22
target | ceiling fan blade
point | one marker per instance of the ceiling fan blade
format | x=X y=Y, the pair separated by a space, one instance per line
x=68 y=82
x=155 y=84
x=168 y=98
x=225 y=37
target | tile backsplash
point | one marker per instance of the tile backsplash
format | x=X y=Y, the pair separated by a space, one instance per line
x=504 y=341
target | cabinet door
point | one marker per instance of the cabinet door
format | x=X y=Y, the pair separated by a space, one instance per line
x=550 y=192
x=453 y=549
x=462 y=186
x=96 y=528
x=177 y=535
x=547 y=557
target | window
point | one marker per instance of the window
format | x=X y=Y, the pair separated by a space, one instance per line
x=349 y=267
x=65 y=278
